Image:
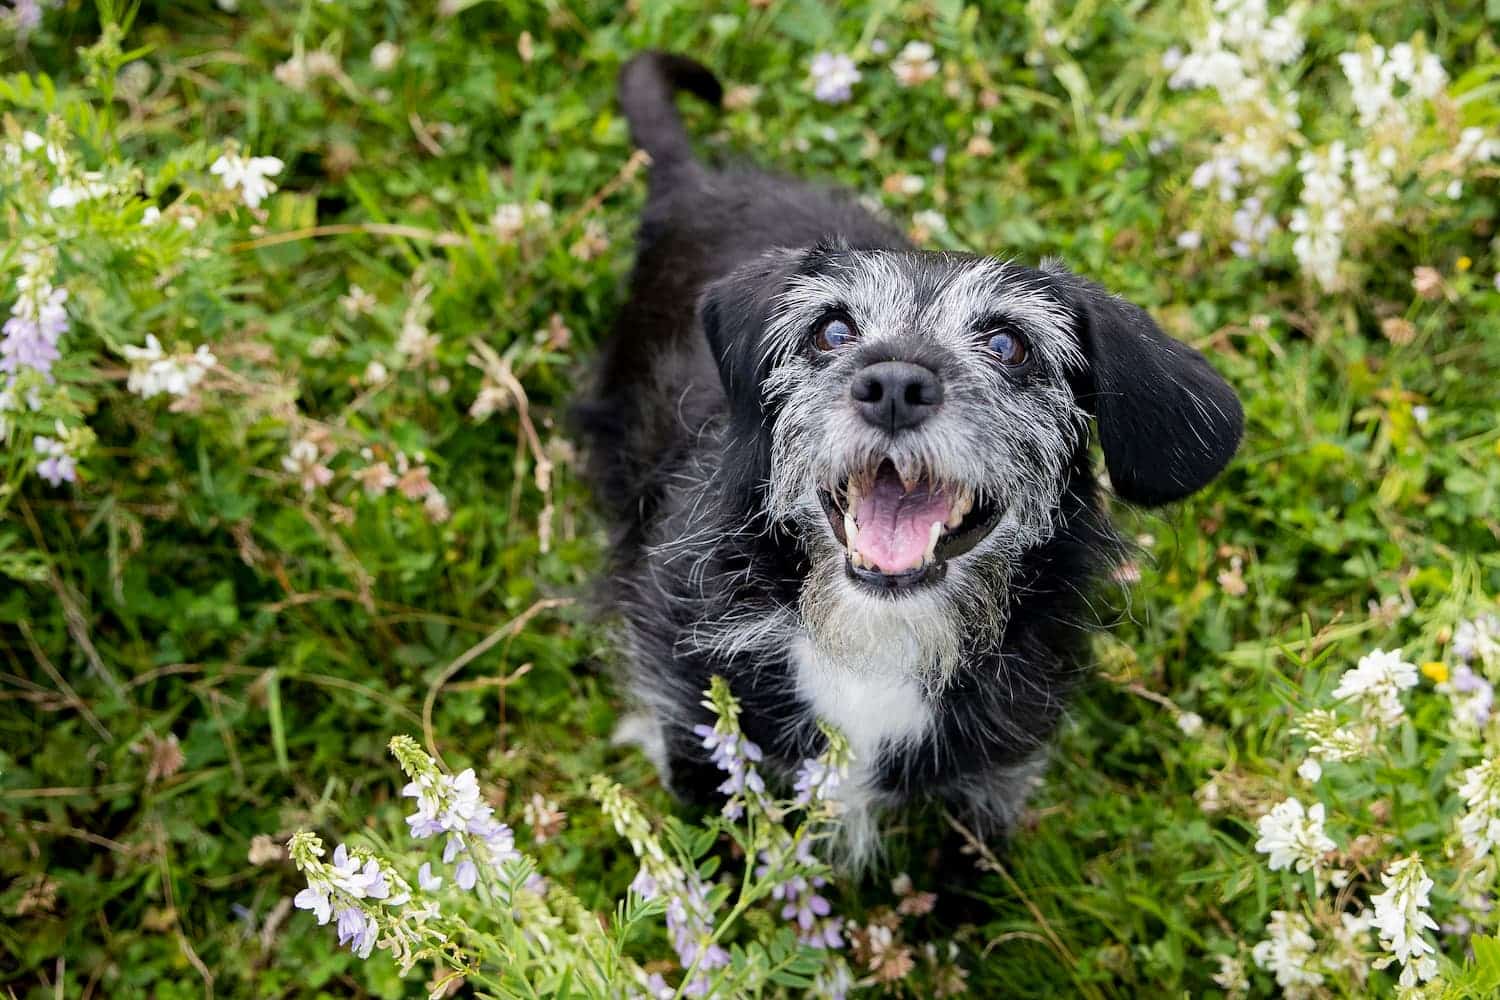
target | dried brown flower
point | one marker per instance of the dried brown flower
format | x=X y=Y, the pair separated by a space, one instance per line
x=164 y=757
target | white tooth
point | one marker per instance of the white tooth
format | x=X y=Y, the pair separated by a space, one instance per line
x=910 y=474
x=932 y=539
x=851 y=532
x=961 y=507
x=853 y=495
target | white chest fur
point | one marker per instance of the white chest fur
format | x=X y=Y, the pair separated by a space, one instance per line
x=877 y=705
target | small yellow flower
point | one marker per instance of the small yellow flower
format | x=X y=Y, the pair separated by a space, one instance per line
x=1435 y=671
x=1464 y=263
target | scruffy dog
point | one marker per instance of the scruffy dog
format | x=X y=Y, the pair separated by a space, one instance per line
x=853 y=478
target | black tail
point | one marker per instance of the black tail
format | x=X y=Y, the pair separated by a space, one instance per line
x=648 y=84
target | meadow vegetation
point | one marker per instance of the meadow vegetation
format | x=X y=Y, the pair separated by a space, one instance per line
x=296 y=295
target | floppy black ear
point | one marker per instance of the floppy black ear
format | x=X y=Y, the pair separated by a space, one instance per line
x=733 y=312
x=1168 y=423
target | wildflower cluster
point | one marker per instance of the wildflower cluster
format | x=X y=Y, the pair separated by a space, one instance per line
x=1329 y=939
x=691 y=914
x=345 y=890
x=454 y=806
x=537 y=929
x=789 y=875
x=732 y=752
x=37 y=319
x=1349 y=188
x=154 y=372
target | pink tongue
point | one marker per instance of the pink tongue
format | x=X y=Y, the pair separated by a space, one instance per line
x=894 y=525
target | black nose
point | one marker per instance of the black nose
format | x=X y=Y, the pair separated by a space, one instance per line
x=896 y=395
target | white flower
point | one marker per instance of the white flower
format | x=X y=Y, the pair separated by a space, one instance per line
x=67 y=195
x=375 y=372
x=1190 y=723
x=416 y=343
x=1371 y=86
x=304 y=460
x=357 y=301
x=1220 y=170
x=1294 y=837
x=384 y=56
x=1350 y=944
x=511 y=218
x=1319 y=221
x=315 y=898
x=1474 y=145
x=152 y=372
x=248 y=175
x=1252 y=226
x=1401 y=918
x=929 y=221
x=1190 y=239
x=1310 y=770
x=1231 y=976
x=833 y=77
x=914 y=64
x=1375 y=685
x=1331 y=742
x=1480 y=826
x=1288 y=952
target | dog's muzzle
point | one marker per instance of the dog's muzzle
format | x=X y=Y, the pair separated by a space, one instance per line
x=900 y=530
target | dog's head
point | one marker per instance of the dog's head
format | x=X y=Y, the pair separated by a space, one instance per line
x=915 y=417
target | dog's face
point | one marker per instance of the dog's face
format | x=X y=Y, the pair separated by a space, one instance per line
x=915 y=416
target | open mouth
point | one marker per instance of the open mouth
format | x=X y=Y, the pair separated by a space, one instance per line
x=900 y=533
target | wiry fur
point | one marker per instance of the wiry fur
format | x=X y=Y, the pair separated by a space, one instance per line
x=714 y=425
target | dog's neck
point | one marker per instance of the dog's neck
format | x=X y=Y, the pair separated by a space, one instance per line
x=925 y=637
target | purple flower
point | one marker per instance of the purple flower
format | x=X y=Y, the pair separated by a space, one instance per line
x=804 y=907
x=58 y=470
x=833 y=77
x=816 y=782
x=357 y=930
x=806 y=910
x=428 y=881
x=25 y=16
x=827 y=934
x=57 y=466
x=643 y=885
x=1478 y=700
x=37 y=323
x=422 y=826
x=454 y=805
x=735 y=755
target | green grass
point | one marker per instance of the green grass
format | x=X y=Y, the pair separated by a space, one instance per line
x=281 y=637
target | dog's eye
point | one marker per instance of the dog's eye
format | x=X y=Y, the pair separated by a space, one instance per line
x=1009 y=348
x=833 y=332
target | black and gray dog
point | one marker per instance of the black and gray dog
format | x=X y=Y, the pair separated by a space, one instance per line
x=853 y=478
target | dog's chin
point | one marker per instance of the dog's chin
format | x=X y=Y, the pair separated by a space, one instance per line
x=897 y=533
